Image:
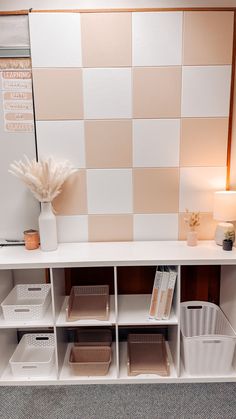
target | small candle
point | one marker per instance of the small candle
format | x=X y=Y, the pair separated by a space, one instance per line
x=31 y=239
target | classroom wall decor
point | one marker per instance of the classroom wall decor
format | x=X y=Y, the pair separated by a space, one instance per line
x=139 y=103
x=18 y=210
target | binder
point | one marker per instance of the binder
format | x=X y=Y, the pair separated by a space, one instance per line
x=162 y=295
x=170 y=292
x=155 y=294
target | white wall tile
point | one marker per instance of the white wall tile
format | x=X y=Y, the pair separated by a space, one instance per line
x=55 y=39
x=206 y=91
x=156 y=142
x=157 y=38
x=107 y=93
x=197 y=186
x=63 y=140
x=155 y=226
x=72 y=228
x=109 y=191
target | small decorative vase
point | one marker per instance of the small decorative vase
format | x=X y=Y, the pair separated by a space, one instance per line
x=227 y=244
x=47 y=228
x=192 y=238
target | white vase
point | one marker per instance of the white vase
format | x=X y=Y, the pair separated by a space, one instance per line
x=192 y=238
x=47 y=228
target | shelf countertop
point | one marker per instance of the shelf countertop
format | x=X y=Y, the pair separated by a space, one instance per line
x=117 y=254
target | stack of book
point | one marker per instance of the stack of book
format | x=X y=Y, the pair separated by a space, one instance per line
x=162 y=293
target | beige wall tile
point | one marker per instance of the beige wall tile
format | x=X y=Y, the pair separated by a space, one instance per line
x=206 y=230
x=208 y=38
x=58 y=93
x=108 y=144
x=110 y=227
x=157 y=92
x=203 y=141
x=106 y=39
x=156 y=190
x=73 y=198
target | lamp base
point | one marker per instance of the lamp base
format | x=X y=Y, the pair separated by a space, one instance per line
x=221 y=229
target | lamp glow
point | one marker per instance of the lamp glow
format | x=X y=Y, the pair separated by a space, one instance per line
x=224 y=210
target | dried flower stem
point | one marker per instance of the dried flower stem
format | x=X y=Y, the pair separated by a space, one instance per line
x=192 y=219
x=43 y=178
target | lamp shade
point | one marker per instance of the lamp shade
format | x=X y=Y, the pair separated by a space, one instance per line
x=225 y=206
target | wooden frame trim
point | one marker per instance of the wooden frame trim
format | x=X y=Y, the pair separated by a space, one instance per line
x=231 y=108
x=14 y=13
x=149 y=9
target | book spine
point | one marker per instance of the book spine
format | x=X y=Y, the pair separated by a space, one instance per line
x=163 y=295
x=155 y=295
x=170 y=293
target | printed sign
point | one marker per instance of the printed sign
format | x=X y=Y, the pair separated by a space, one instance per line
x=15 y=63
x=16 y=75
x=18 y=106
x=17 y=100
x=14 y=126
x=16 y=84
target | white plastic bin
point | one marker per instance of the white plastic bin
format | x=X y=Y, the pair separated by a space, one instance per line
x=27 y=302
x=208 y=340
x=34 y=356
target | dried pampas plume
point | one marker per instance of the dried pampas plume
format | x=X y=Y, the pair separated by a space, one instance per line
x=43 y=178
x=192 y=219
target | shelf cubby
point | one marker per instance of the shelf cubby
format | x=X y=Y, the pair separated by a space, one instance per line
x=10 y=278
x=62 y=320
x=67 y=374
x=171 y=335
x=123 y=374
x=9 y=339
x=60 y=289
x=134 y=310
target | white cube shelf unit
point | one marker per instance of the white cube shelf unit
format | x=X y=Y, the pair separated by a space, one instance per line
x=127 y=312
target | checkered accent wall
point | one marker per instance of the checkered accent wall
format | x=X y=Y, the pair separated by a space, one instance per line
x=139 y=103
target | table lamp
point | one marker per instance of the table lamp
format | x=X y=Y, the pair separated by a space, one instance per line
x=225 y=211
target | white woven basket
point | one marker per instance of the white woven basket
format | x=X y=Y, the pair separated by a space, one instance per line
x=27 y=302
x=34 y=356
x=208 y=340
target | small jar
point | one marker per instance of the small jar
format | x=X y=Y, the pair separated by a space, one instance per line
x=31 y=238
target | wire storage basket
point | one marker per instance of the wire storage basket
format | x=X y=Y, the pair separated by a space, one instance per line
x=93 y=337
x=147 y=355
x=88 y=302
x=207 y=339
x=27 y=302
x=34 y=355
x=90 y=360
